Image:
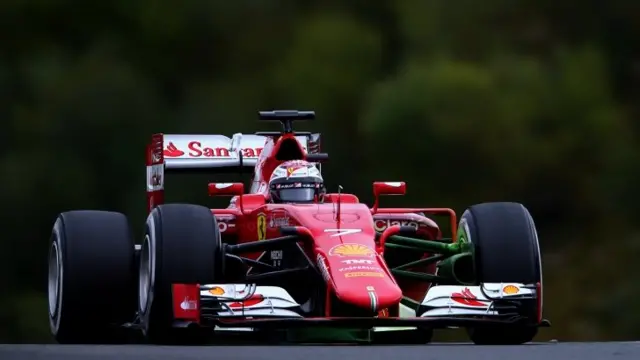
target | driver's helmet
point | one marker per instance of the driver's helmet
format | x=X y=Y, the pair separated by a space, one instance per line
x=296 y=181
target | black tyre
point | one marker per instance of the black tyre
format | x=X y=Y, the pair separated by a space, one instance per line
x=181 y=245
x=506 y=249
x=91 y=277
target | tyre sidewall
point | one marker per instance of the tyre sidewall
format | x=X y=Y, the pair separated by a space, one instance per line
x=151 y=238
x=57 y=240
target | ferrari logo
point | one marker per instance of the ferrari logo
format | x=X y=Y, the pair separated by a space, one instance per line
x=292 y=169
x=262 y=226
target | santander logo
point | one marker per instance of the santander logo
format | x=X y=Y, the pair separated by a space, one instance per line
x=252 y=300
x=466 y=297
x=172 y=151
x=196 y=149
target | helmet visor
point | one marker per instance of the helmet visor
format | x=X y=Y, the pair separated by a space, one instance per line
x=295 y=192
x=299 y=195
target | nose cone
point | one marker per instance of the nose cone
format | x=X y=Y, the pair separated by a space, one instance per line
x=360 y=278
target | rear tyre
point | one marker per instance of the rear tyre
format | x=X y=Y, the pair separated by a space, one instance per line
x=506 y=249
x=181 y=245
x=91 y=282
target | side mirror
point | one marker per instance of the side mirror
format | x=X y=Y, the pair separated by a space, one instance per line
x=387 y=188
x=226 y=189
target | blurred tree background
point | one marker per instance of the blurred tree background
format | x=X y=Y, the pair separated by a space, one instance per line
x=468 y=101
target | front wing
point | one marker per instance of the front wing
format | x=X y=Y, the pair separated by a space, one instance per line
x=242 y=307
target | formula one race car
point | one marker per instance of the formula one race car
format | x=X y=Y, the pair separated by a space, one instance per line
x=260 y=266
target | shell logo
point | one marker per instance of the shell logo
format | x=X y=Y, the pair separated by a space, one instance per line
x=216 y=291
x=510 y=289
x=351 y=250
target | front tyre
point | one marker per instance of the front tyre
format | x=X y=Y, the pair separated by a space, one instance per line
x=506 y=249
x=91 y=277
x=182 y=245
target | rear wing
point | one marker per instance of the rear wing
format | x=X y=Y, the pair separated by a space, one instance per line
x=214 y=151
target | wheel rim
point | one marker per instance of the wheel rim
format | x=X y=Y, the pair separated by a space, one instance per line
x=55 y=264
x=144 y=278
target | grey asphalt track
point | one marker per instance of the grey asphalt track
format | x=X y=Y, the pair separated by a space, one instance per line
x=546 y=351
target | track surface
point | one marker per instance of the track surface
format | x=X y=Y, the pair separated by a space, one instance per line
x=546 y=351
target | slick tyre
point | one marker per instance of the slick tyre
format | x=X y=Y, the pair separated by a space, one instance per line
x=181 y=245
x=91 y=282
x=506 y=249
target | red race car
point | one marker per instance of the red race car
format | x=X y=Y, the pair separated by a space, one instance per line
x=288 y=255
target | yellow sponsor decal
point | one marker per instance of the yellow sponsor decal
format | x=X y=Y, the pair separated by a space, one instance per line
x=262 y=226
x=363 y=274
x=510 y=289
x=216 y=291
x=351 y=250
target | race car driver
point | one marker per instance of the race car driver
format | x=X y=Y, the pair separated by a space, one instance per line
x=297 y=182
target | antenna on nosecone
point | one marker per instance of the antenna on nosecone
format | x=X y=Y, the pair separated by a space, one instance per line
x=339 y=202
x=234 y=149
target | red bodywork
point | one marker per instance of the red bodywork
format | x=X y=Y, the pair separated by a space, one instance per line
x=341 y=238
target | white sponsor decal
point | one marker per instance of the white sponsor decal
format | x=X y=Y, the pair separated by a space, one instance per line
x=382 y=224
x=278 y=221
x=342 y=232
x=373 y=297
x=155 y=157
x=223 y=185
x=223 y=226
x=358 y=261
x=187 y=304
x=323 y=267
x=360 y=267
x=394 y=184
x=155 y=177
x=276 y=257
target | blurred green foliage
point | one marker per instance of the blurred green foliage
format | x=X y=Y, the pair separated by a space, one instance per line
x=467 y=101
